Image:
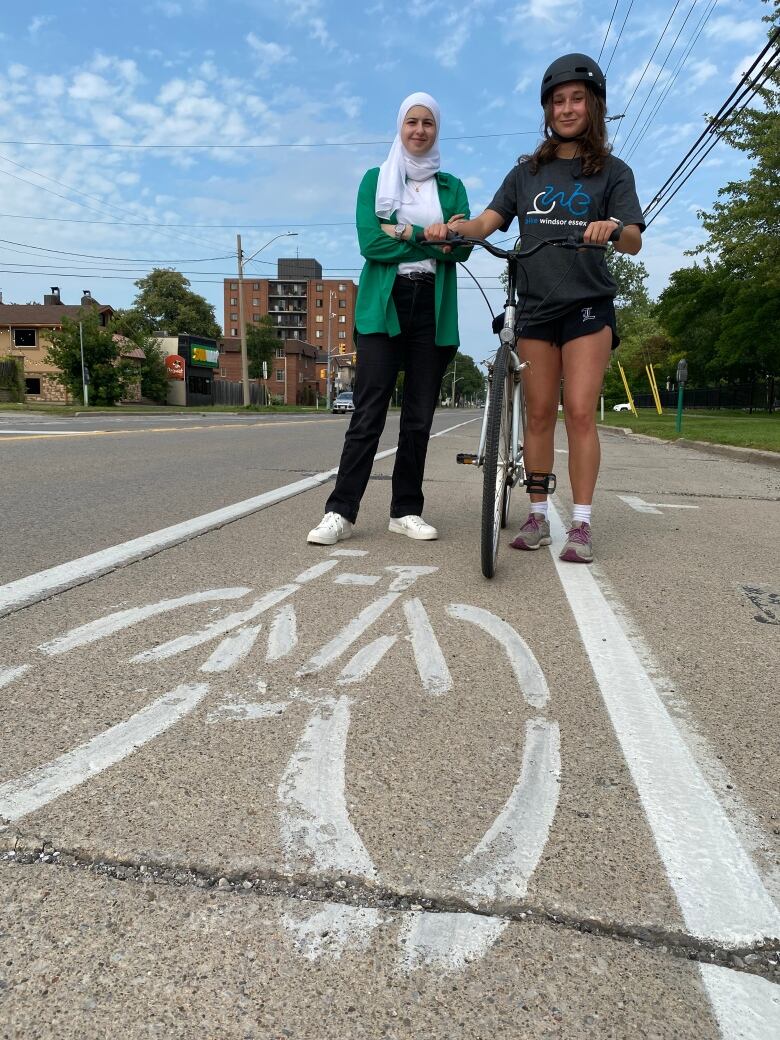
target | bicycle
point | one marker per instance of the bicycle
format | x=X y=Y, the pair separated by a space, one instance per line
x=500 y=451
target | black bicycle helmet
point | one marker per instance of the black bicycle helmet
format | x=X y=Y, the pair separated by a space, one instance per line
x=574 y=67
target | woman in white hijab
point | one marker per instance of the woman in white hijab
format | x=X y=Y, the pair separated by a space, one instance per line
x=406 y=318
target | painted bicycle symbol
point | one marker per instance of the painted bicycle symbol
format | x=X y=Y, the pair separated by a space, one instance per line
x=316 y=833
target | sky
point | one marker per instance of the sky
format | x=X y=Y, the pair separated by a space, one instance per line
x=314 y=87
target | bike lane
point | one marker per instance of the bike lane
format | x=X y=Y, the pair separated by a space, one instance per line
x=376 y=727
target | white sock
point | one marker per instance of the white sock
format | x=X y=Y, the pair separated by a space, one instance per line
x=581 y=514
x=540 y=507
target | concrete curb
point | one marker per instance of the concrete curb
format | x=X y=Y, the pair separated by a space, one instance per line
x=754 y=455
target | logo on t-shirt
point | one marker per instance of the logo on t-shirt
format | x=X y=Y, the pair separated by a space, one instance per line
x=577 y=203
x=587 y=314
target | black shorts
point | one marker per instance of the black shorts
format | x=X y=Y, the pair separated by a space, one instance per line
x=581 y=320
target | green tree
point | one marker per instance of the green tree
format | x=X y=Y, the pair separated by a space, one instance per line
x=261 y=344
x=154 y=376
x=469 y=381
x=165 y=301
x=109 y=375
x=744 y=225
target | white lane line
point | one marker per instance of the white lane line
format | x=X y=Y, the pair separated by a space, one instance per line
x=283 y=636
x=7 y=675
x=316 y=830
x=721 y=895
x=46 y=782
x=111 y=623
x=216 y=628
x=349 y=552
x=530 y=677
x=366 y=660
x=356 y=579
x=428 y=656
x=348 y=635
x=332 y=930
x=232 y=650
x=501 y=866
x=36 y=586
x=447 y=941
x=747 y=1007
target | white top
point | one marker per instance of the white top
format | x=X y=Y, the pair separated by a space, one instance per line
x=420 y=207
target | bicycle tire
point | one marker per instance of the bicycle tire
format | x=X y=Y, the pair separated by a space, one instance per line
x=495 y=469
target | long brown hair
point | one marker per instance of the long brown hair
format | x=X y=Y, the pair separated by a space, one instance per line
x=593 y=145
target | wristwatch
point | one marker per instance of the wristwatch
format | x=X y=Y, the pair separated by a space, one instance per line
x=399 y=231
x=619 y=223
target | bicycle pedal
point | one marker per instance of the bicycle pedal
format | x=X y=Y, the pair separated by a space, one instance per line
x=466 y=459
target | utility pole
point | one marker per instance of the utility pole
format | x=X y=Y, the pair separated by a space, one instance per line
x=242 y=326
x=242 y=322
x=327 y=370
x=454 y=367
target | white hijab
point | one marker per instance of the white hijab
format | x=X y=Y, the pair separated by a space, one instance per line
x=400 y=166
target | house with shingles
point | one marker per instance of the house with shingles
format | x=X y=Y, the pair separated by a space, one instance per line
x=24 y=332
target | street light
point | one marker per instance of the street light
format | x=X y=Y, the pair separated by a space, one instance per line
x=241 y=262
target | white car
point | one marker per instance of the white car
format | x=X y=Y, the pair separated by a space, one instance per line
x=344 y=402
x=626 y=407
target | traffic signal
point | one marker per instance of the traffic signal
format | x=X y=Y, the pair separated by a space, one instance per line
x=342 y=348
x=323 y=373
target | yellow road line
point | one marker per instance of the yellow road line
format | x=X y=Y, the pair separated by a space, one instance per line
x=158 y=429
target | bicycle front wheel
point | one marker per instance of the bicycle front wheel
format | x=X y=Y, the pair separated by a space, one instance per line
x=498 y=437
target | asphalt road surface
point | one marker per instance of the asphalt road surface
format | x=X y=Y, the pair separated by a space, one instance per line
x=255 y=788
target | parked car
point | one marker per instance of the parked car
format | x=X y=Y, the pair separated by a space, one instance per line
x=625 y=407
x=343 y=402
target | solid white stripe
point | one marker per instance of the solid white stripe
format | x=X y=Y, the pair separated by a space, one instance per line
x=36 y=586
x=232 y=650
x=348 y=635
x=8 y=675
x=47 y=782
x=720 y=893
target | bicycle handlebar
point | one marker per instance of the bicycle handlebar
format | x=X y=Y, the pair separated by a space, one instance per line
x=564 y=241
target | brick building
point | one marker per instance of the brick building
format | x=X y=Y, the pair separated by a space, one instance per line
x=303 y=305
x=311 y=314
x=24 y=332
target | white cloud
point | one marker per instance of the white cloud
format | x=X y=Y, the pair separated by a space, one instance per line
x=17 y=72
x=38 y=23
x=699 y=72
x=734 y=30
x=49 y=87
x=169 y=8
x=87 y=86
x=269 y=53
x=473 y=182
x=522 y=84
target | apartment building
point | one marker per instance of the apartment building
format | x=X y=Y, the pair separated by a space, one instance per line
x=303 y=305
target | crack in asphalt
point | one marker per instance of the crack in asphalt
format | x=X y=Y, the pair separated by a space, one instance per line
x=691 y=494
x=761 y=958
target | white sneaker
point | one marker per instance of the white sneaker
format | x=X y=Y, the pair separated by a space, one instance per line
x=331 y=529
x=413 y=527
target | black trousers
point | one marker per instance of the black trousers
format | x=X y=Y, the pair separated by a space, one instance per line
x=379 y=359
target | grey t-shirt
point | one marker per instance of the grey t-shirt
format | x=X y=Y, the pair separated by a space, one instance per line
x=558 y=200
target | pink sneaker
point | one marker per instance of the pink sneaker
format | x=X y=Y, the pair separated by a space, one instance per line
x=534 y=533
x=578 y=547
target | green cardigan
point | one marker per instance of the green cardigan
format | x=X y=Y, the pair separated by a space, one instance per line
x=375 y=309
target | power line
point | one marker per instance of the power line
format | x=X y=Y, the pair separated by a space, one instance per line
x=138 y=223
x=668 y=87
x=647 y=66
x=617 y=41
x=747 y=90
x=136 y=146
x=123 y=259
x=606 y=34
x=660 y=71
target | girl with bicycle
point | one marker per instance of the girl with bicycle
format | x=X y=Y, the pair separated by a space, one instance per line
x=406 y=317
x=566 y=322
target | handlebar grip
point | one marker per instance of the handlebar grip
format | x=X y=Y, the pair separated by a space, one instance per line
x=616 y=234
